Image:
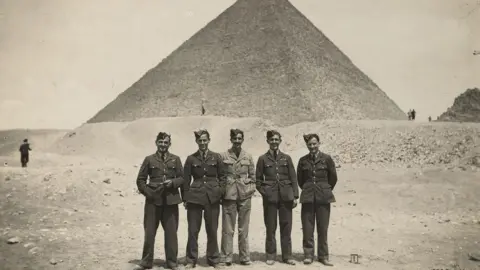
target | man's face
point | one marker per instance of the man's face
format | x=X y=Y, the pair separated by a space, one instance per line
x=274 y=142
x=163 y=145
x=313 y=145
x=237 y=141
x=203 y=142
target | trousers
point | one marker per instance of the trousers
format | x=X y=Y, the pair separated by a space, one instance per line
x=319 y=213
x=231 y=209
x=168 y=216
x=211 y=214
x=284 y=212
x=24 y=159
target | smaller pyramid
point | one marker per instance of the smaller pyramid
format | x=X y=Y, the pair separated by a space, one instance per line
x=465 y=108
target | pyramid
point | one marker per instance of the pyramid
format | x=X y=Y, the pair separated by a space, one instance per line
x=465 y=108
x=256 y=59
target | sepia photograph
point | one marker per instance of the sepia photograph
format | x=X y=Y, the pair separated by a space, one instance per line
x=240 y=134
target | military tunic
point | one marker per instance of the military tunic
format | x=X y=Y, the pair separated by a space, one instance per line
x=276 y=181
x=161 y=204
x=239 y=189
x=203 y=190
x=317 y=178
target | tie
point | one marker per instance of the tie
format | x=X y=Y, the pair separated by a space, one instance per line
x=275 y=155
x=313 y=157
x=204 y=155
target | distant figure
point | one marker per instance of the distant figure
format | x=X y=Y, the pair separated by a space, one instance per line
x=203 y=107
x=429 y=119
x=24 y=151
x=413 y=114
x=409 y=115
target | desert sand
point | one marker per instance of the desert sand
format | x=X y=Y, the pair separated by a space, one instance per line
x=407 y=196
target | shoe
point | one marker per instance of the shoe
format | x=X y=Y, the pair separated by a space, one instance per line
x=246 y=262
x=139 y=267
x=325 y=262
x=270 y=262
x=289 y=262
x=307 y=261
x=190 y=266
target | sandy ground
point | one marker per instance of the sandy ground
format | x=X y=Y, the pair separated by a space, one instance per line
x=395 y=219
x=83 y=212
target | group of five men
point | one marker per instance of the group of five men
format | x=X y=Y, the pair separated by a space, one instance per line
x=209 y=181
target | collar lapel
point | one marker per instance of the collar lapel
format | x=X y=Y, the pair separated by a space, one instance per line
x=168 y=157
x=208 y=156
x=242 y=155
x=158 y=156
x=233 y=156
x=318 y=158
x=198 y=155
x=270 y=156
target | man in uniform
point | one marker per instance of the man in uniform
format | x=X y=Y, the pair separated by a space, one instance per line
x=276 y=181
x=24 y=152
x=317 y=178
x=240 y=187
x=165 y=173
x=203 y=196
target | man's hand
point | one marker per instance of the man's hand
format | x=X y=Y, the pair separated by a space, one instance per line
x=168 y=183
x=295 y=203
x=185 y=205
x=148 y=193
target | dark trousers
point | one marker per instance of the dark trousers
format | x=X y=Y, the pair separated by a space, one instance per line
x=211 y=213
x=167 y=215
x=321 y=214
x=24 y=159
x=284 y=212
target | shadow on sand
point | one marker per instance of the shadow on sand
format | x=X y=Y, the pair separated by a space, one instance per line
x=202 y=261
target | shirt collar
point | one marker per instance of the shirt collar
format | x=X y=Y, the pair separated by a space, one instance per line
x=272 y=152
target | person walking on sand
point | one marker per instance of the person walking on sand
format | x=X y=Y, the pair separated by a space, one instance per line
x=317 y=178
x=276 y=181
x=24 y=152
x=239 y=189
x=202 y=196
x=165 y=174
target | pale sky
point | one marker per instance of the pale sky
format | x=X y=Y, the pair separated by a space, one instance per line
x=61 y=61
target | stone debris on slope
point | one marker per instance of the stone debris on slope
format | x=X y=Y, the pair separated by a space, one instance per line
x=360 y=143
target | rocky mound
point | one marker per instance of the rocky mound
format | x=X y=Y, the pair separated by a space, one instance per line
x=379 y=143
x=466 y=108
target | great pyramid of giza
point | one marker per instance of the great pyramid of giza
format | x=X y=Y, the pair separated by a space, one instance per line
x=256 y=59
